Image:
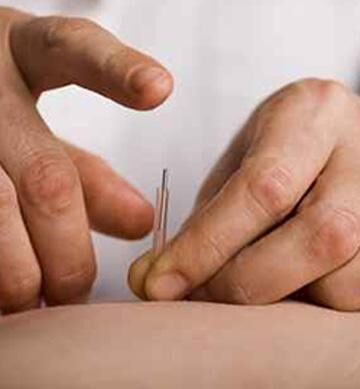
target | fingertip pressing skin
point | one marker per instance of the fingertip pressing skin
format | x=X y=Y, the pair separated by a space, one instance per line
x=149 y=285
x=165 y=281
x=137 y=274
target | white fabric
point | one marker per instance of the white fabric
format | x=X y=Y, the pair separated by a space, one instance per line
x=226 y=55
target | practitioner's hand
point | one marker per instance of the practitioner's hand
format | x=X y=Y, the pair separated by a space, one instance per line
x=49 y=189
x=280 y=211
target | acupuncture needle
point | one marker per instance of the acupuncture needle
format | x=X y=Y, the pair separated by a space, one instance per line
x=161 y=213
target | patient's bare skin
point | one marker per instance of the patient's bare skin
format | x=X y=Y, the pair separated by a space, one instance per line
x=180 y=345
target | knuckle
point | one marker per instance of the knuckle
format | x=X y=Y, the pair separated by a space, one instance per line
x=58 y=30
x=284 y=98
x=16 y=291
x=64 y=287
x=315 y=94
x=114 y=59
x=310 y=91
x=49 y=182
x=324 y=90
x=272 y=190
x=335 y=236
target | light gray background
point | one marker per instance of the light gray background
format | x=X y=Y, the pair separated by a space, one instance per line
x=226 y=55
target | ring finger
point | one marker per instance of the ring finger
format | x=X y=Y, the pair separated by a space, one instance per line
x=20 y=275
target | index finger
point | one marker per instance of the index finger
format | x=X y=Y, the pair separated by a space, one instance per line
x=267 y=187
x=56 y=51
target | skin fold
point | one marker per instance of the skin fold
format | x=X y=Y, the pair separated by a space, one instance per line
x=177 y=345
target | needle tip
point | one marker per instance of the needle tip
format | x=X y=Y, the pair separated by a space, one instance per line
x=165 y=178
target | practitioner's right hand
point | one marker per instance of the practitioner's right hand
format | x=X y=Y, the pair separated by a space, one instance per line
x=279 y=213
x=49 y=189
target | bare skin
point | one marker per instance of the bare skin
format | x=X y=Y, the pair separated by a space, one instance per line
x=177 y=345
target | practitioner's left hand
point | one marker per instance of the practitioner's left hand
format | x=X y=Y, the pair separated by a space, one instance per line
x=51 y=192
x=279 y=213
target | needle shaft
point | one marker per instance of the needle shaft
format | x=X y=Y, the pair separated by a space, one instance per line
x=160 y=224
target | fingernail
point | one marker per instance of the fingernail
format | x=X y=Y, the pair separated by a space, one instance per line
x=146 y=259
x=169 y=286
x=145 y=77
